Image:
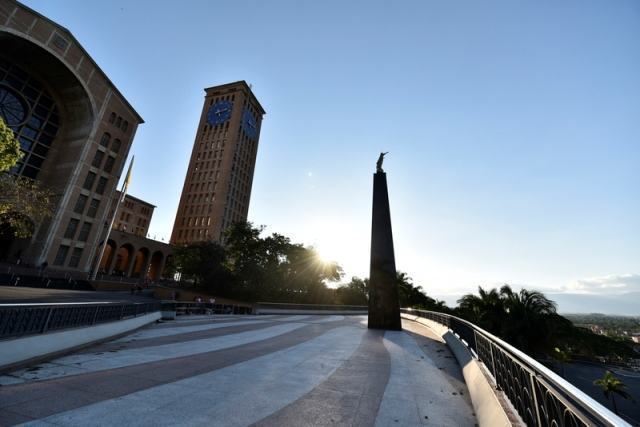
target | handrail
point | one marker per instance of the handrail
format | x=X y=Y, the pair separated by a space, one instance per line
x=539 y=395
x=18 y=320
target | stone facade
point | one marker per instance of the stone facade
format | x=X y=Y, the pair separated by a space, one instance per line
x=130 y=256
x=133 y=216
x=217 y=187
x=75 y=128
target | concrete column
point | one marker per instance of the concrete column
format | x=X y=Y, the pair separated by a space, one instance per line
x=162 y=264
x=145 y=266
x=132 y=264
x=114 y=255
x=384 y=305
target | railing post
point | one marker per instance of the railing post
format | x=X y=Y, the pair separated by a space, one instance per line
x=95 y=315
x=535 y=397
x=493 y=363
x=46 y=322
x=121 y=312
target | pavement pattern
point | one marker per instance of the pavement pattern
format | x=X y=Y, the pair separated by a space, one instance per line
x=247 y=370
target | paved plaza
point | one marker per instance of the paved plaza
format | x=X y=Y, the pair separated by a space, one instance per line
x=247 y=370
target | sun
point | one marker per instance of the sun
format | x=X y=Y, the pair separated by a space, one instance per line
x=339 y=243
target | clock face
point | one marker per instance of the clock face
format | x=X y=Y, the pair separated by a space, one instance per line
x=219 y=112
x=249 y=124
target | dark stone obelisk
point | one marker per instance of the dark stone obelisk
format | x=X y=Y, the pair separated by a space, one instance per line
x=384 y=307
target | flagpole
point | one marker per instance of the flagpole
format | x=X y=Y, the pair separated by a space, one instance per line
x=123 y=193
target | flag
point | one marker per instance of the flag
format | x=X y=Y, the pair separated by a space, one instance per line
x=125 y=186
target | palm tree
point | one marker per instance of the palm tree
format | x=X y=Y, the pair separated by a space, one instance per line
x=526 y=325
x=610 y=387
x=485 y=309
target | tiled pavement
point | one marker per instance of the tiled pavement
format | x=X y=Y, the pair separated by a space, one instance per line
x=244 y=370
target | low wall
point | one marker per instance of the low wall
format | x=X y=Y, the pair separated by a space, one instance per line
x=189 y=295
x=304 y=311
x=486 y=403
x=20 y=351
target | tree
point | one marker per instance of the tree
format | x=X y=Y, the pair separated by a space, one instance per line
x=486 y=309
x=413 y=296
x=10 y=152
x=23 y=201
x=274 y=269
x=611 y=386
x=356 y=292
x=203 y=263
x=527 y=325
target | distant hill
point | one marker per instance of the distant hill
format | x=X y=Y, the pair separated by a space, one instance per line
x=622 y=305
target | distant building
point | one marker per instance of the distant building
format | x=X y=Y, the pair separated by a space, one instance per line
x=217 y=187
x=133 y=216
x=75 y=129
x=129 y=253
x=635 y=338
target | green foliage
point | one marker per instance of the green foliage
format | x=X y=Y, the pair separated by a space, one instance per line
x=613 y=325
x=200 y=263
x=255 y=268
x=23 y=204
x=412 y=296
x=10 y=152
x=355 y=292
x=612 y=386
x=528 y=320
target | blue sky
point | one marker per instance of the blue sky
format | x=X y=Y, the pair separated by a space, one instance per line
x=513 y=127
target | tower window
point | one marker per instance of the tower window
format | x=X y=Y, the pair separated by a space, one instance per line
x=84 y=232
x=102 y=183
x=75 y=257
x=93 y=208
x=80 y=204
x=89 y=180
x=70 y=232
x=104 y=141
x=61 y=256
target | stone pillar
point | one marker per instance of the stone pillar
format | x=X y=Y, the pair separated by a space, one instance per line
x=131 y=264
x=144 y=272
x=384 y=306
x=162 y=265
x=114 y=255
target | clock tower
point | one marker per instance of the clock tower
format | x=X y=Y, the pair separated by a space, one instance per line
x=217 y=187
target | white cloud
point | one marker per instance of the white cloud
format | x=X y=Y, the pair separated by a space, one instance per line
x=613 y=284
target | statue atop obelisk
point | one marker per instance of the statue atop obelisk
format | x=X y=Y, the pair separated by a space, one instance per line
x=384 y=306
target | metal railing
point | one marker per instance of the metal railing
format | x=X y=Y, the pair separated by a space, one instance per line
x=30 y=319
x=539 y=395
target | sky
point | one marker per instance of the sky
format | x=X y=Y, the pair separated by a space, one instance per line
x=513 y=129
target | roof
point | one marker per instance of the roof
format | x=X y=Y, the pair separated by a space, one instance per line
x=72 y=37
x=129 y=196
x=242 y=83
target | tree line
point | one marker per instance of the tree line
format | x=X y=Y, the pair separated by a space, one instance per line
x=252 y=267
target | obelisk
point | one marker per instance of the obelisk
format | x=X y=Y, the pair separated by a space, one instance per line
x=384 y=306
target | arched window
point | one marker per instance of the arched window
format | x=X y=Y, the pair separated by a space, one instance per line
x=125 y=126
x=104 y=141
x=118 y=121
x=112 y=118
x=116 y=145
x=31 y=113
